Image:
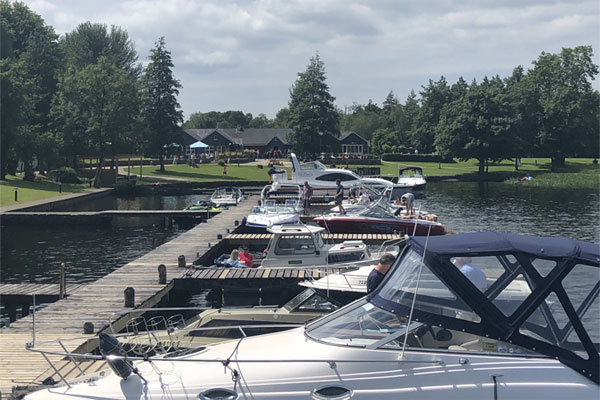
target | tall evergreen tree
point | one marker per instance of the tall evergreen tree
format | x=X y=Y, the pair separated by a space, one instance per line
x=161 y=111
x=311 y=109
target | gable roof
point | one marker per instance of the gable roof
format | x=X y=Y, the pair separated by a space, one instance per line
x=245 y=137
x=345 y=135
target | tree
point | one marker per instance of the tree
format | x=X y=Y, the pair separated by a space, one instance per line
x=92 y=52
x=433 y=98
x=311 y=109
x=568 y=119
x=30 y=59
x=161 y=111
x=478 y=125
x=410 y=115
x=384 y=140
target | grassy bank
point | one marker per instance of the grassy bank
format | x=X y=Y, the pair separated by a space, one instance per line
x=42 y=188
x=578 y=173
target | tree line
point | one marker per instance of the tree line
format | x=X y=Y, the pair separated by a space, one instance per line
x=84 y=93
x=550 y=111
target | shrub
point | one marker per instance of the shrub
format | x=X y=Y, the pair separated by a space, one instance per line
x=67 y=175
x=414 y=157
x=221 y=162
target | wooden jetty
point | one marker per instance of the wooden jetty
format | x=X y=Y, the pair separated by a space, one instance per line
x=87 y=217
x=21 y=295
x=98 y=302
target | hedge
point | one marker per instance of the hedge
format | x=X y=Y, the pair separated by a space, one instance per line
x=414 y=157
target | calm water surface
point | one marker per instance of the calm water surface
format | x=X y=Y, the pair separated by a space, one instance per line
x=34 y=253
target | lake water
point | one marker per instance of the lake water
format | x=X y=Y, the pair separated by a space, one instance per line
x=34 y=253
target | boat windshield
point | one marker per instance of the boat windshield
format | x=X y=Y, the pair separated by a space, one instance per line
x=442 y=319
x=309 y=301
x=312 y=165
x=378 y=210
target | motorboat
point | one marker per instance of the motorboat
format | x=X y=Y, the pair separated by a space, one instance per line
x=379 y=218
x=271 y=213
x=411 y=179
x=158 y=334
x=426 y=332
x=302 y=246
x=226 y=195
x=206 y=206
x=322 y=179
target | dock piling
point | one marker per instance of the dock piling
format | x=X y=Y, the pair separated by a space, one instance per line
x=129 y=297
x=62 y=282
x=162 y=274
x=88 y=328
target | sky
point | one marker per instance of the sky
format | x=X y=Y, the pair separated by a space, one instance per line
x=245 y=55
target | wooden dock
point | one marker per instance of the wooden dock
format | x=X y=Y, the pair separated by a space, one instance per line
x=104 y=299
x=87 y=217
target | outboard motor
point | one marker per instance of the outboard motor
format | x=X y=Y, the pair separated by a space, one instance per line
x=110 y=346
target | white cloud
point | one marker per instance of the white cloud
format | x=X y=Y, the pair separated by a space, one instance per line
x=246 y=54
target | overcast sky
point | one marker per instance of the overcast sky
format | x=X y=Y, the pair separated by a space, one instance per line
x=245 y=55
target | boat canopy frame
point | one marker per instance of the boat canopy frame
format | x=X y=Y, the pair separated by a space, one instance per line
x=436 y=253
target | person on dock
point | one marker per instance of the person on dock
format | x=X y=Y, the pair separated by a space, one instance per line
x=307 y=193
x=234 y=260
x=408 y=201
x=246 y=257
x=339 y=196
x=376 y=276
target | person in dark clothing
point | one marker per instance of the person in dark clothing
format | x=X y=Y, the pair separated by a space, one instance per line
x=376 y=276
x=339 y=196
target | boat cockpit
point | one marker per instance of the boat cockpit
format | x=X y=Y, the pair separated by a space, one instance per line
x=484 y=292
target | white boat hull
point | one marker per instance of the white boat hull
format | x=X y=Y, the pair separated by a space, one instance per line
x=367 y=374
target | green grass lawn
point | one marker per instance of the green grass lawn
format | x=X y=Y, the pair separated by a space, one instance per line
x=577 y=173
x=42 y=188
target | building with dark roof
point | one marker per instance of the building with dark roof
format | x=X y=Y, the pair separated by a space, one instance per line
x=263 y=140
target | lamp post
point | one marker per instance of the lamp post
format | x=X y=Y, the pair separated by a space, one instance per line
x=320 y=136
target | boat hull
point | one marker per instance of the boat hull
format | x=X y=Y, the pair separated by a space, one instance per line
x=349 y=224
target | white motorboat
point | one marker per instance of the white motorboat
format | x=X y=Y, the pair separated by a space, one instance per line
x=322 y=179
x=450 y=341
x=161 y=335
x=226 y=196
x=411 y=179
x=269 y=213
x=302 y=246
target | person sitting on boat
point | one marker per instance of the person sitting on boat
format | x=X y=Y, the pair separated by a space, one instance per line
x=234 y=260
x=246 y=257
x=353 y=194
x=339 y=196
x=364 y=198
x=475 y=274
x=376 y=276
x=408 y=201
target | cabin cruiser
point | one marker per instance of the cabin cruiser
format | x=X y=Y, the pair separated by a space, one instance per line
x=322 y=179
x=411 y=179
x=226 y=196
x=426 y=332
x=379 y=218
x=301 y=246
x=270 y=213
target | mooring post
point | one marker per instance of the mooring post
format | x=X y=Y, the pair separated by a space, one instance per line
x=219 y=236
x=16 y=194
x=62 y=283
x=162 y=274
x=236 y=222
x=181 y=261
x=129 y=297
x=88 y=328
